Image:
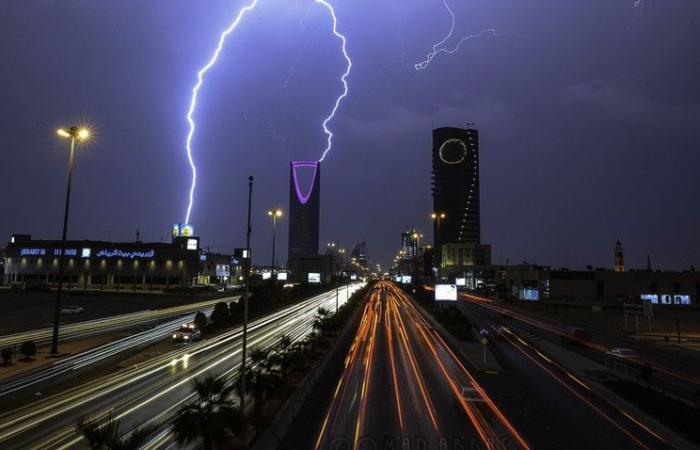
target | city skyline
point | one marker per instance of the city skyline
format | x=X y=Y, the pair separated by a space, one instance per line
x=611 y=112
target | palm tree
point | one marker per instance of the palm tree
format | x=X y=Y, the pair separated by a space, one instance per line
x=106 y=437
x=208 y=417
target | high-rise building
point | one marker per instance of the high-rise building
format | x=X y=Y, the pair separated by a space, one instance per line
x=455 y=183
x=359 y=254
x=304 y=211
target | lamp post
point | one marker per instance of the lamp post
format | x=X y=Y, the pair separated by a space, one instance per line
x=438 y=218
x=244 y=351
x=75 y=134
x=335 y=246
x=274 y=213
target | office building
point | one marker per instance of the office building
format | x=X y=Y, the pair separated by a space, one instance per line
x=455 y=183
x=304 y=213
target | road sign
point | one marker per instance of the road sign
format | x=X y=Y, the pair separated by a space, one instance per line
x=484 y=332
x=484 y=341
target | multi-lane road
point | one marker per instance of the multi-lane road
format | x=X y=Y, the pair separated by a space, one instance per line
x=152 y=392
x=403 y=387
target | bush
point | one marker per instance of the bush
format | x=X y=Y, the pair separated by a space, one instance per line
x=200 y=321
x=220 y=315
x=6 y=356
x=28 y=349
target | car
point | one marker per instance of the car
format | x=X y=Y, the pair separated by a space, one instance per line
x=188 y=332
x=72 y=310
x=626 y=353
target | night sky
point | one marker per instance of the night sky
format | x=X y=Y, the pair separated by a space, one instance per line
x=588 y=111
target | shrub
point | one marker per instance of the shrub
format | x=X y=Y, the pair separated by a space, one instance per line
x=220 y=314
x=200 y=321
x=28 y=349
x=6 y=356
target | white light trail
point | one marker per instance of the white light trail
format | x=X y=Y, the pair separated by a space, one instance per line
x=438 y=47
x=343 y=79
x=195 y=92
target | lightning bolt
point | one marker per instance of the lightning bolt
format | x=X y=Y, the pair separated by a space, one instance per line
x=343 y=79
x=195 y=92
x=438 y=47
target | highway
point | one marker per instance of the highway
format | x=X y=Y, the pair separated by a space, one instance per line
x=152 y=392
x=679 y=375
x=555 y=407
x=403 y=387
x=94 y=327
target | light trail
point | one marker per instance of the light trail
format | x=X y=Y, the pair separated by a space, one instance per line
x=439 y=47
x=343 y=79
x=195 y=92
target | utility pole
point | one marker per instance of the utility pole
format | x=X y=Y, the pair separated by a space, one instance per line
x=244 y=352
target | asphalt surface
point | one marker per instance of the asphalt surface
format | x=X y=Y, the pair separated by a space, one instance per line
x=152 y=391
x=403 y=387
x=553 y=406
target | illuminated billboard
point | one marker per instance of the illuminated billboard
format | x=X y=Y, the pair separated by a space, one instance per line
x=532 y=295
x=652 y=298
x=353 y=277
x=314 y=277
x=223 y=270
x=183 y=230
x=461 y=281
x=266 y=275
x=406 y=279
x=192 y=244
x=282 y=276
x=681 y=299
x=398 y=278
x=446 y=292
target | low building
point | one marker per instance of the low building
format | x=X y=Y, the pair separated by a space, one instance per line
x=600 y=286
x=103 y=265
x=314 y=269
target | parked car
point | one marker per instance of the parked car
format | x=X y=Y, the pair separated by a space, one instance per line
x=626 y=353
x=188 y=332
x=72 y=310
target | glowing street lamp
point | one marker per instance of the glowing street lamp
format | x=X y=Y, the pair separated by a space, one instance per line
x=75 y=134
x=274 y=213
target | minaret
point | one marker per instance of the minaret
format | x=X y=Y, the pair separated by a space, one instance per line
x=619 y=257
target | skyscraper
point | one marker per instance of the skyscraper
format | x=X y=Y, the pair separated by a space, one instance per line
x=455 y=184
x=304 y=211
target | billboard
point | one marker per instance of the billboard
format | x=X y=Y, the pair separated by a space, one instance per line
x=446 y=292
x=529 y=294
x=461 y=281
x=266 y=275
x=282 y=276
x=398 y=278
x=183 y=230
x=192 y=244
x=406 y=279
x=353 y=277
x=223 y=270
x=681 y=299
x=314 y=277
x=652 y=298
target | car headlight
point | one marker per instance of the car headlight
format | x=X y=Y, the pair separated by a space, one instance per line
x=187 y=337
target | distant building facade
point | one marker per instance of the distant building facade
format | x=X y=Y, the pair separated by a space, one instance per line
x=619 y=257
x=600 y=286
x=304 y=214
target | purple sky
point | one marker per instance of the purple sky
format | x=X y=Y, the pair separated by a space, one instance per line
x=589 y=115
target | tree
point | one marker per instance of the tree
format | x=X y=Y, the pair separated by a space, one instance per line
x=28 y=349
x=210 y=416
x=200 y=321
x=220 y=314
x=107 y=437
x=6 y=356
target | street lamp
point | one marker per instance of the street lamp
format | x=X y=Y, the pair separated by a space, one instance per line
x=75 y=134
x=438 y=218
x=274 y=213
